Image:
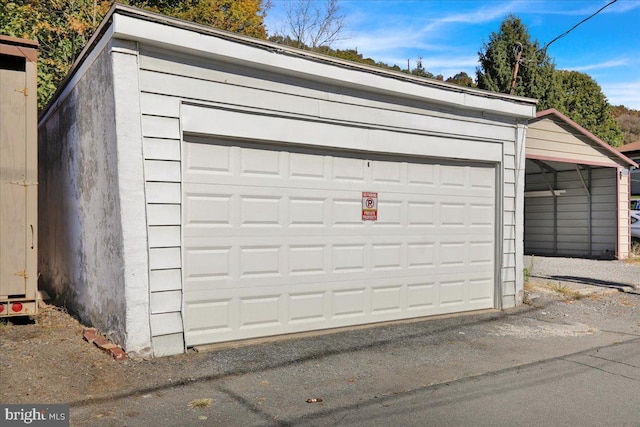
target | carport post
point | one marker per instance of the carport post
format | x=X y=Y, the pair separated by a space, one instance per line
x=552 y=189
x=587 y=188
x=555 y=214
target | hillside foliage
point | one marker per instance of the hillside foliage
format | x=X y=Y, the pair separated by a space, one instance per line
x=629 y=121
x=63 y=27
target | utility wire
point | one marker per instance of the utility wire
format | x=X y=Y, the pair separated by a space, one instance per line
x=517 y=48
x=579 y=23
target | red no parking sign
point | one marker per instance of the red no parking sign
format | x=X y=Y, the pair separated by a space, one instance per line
x=369 y=206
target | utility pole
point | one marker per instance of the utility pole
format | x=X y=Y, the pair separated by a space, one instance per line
x=517 y=49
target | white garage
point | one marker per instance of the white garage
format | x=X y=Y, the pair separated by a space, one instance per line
x=242 y=189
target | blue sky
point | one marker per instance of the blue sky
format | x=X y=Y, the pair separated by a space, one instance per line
x=448 y=34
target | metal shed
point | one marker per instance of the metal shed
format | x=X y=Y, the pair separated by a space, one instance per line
x=577 y=191
x=18 y=177
x=202 y=186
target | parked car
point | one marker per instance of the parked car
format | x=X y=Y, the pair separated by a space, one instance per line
x=635 y=225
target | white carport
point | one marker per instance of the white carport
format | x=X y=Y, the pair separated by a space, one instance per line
x=200 y=186
x=576 y=191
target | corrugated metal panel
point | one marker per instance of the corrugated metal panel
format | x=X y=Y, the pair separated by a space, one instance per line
x=575 y=229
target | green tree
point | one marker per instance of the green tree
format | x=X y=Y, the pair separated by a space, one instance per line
x=498 y=59
x=346 y=54
x=63 y=27
x=421 y=72
x=239 y=16
x=462 y=79
x=581 y=99
x=574 y=94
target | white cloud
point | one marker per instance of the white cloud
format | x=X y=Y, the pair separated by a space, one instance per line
x=450 y=62
x=483 y=14
x=623 y=93
x=371 y=44
x=389 y=40
x=601 y=65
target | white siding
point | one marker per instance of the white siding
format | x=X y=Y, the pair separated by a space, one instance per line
x=161 y=151
x=167 y=80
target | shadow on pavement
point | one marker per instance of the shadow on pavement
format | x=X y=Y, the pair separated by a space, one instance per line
x=622 y=287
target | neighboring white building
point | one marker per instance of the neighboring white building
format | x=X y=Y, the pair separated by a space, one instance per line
x=198 y=186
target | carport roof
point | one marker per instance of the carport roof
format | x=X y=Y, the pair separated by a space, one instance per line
x=609 y=151
x=628 y=148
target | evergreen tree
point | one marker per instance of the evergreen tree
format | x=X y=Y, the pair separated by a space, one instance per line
x=498 y=59
x=574 y=94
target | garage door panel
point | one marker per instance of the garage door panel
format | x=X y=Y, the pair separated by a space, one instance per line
x=221 y=209
x=482 y=179
x=480 y=291
x=338 y=195
x=232 y=263
x=388 y=299
x=259 y=163
x=274 y=242
x=472 y=231
x=307 y=166
x=202 y=160
x=422 y=213
x=340 y=182
x=307 y=257
x=348 y=263
x=308 y=211
x=452 y=293
x=387 y=172
x=231 y=315
x=421 y=175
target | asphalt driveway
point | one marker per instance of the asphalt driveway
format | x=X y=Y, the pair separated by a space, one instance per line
x=513 y=367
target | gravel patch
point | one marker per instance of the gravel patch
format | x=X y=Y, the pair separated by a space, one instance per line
x=541 y=330
x=618 y=275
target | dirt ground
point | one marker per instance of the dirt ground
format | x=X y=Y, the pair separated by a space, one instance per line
x=46 y=360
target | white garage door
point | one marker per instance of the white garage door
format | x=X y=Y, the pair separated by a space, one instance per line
x=274 y=241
